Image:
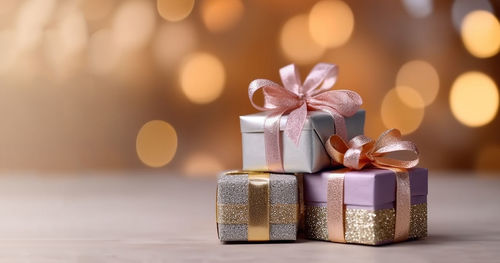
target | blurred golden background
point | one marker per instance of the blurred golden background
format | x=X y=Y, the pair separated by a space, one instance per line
x=134 y=84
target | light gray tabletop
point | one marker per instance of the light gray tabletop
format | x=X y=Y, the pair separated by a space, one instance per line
x=160 y=217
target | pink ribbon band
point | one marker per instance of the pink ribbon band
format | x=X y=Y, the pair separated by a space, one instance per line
x=296 y=99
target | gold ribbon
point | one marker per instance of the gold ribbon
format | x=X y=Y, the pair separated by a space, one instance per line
x=258 y=207
x=360 y=152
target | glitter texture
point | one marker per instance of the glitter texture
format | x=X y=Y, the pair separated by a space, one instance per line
x=232 y=189
x=366 y=226
x=418 y=222
x=232 y=207
x=369 y=227
x=283 y=214
x=315 y=222
x=232 y=213
x=238 y=214
x=283 y=189
x=233 y=232
x=283 y=232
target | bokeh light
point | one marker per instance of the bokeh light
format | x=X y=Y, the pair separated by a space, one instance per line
x=33 y=16
x=396 y=114
x=202 y=78
x=172 y=42
x=221 y=15
x=7 y=50
x=202 y=164
x=297 y=43
x=65 y=42
x=474 y=99
x=481 y=34
x=102 y=57
x=418 y=8
x=156 y=143
x=95 y=10
x=331 y=23
x=410 y=96
x=174 y=10
x=420 y=76
x=72 y=33
x=133 y=24
x=487 y=158
x=461 y=8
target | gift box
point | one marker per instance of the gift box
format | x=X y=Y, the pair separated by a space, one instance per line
x=253 y=206
x=369 y=195
x=309 y=155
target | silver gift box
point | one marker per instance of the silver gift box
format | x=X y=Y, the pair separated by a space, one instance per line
x=309 y=156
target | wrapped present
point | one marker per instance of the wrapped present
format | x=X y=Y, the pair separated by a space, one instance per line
x=309 y=155
x=372 y=206
x=254 y=206
x=369 y=200
x=296 y=119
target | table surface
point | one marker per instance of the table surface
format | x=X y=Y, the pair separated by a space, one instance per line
x=157 y=217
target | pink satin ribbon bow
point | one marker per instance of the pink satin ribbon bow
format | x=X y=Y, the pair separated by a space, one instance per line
x=360 y=152
x=296 y=98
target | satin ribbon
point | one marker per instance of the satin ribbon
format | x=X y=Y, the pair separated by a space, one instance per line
x=360 y=152
x=296 y=99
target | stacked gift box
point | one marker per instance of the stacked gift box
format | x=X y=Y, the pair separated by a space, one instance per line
x=308 y=167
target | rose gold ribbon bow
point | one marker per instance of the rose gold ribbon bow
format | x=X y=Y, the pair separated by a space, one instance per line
x=360 y=152
x=297 y=98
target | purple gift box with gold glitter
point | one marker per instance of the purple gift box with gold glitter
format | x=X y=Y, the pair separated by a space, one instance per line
x=369 y=201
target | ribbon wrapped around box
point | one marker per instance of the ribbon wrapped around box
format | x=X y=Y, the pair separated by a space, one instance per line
x=383 y=204
x=305 y=114
x=256 y=206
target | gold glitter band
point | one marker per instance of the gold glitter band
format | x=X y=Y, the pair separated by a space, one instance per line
x=258 y=207
x=232 y=214
x=238 y=214
x=366 y=226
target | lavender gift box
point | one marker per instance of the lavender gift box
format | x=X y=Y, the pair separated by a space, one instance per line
x=309 y=156
x=369 y=198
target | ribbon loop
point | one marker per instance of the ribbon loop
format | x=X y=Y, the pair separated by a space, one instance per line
x=361 y=151
x=297 y=99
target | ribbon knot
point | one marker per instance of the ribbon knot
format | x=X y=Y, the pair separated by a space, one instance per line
x=296 y=99
x=362 y=151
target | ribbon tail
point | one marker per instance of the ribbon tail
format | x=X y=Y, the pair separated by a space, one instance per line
x=295 y=123
x=272 y=142
x=339 y=121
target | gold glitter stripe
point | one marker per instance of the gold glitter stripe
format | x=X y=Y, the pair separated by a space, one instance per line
x=366 y=226
x=258 y=207
x=284 y=214
x=232 y=214
x=238 y=214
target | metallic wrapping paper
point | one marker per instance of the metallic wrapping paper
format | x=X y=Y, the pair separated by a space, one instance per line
x=309 y=156
x=364 y=226
x=233 y=207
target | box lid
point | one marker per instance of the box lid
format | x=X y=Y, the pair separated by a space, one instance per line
x=368 y=187
x=320 y=121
